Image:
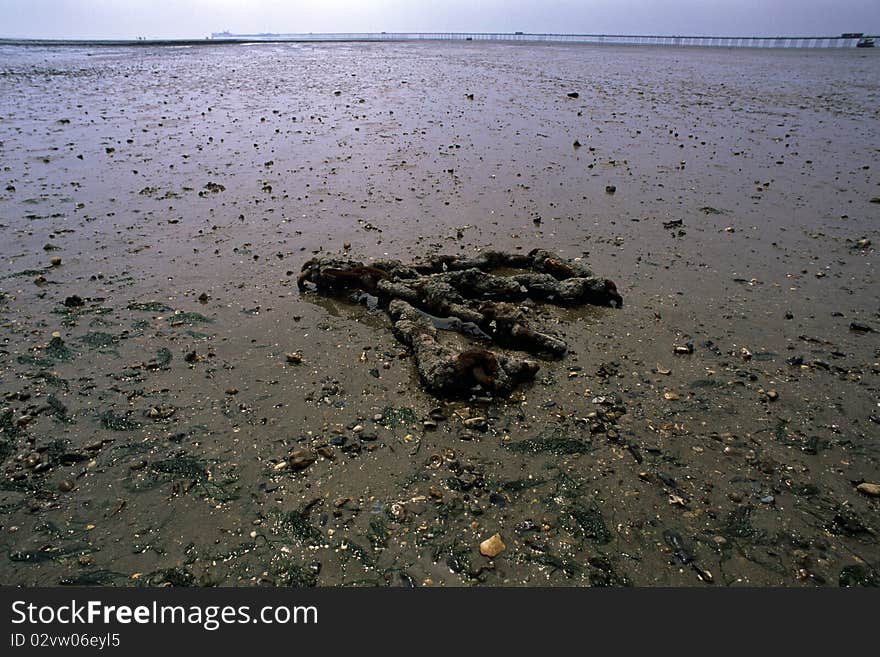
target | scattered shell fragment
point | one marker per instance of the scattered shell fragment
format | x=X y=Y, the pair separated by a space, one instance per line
x=294 y=357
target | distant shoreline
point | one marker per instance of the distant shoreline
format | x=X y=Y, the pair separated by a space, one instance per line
x=223 y=38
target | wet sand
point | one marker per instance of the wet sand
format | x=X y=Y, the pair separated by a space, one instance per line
x=146 y=444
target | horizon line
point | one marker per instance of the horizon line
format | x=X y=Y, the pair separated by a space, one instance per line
x=284 y=36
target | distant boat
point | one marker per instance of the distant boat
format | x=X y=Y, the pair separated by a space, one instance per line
x=865 y=42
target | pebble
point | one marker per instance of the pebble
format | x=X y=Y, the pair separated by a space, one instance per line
x=492 y=546
x=869 y=489
x=772 y=395
x=301 y=458
x=294 y=357
x=55 y=261
x=66 y=486
x=74 y=301
x=478 y=423
x=610 y=189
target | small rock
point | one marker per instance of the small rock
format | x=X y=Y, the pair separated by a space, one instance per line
x=203 y=297
x=610 y=189
x=479 y=423
x=66 y=486
x=301 y=458
x=869 y=489
x=294 y=357
x=575 y=94
x=55 y=261
x=860 y=328
x=492 y=546
x=161 y=412
x=232 y=391
x=74 y=301
x=684 y=349
x=772 y=395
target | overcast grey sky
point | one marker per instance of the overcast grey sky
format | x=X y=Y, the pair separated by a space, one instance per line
x=198 y=18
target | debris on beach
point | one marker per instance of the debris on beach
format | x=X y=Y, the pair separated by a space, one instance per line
x=492 y=546
x=465 y=296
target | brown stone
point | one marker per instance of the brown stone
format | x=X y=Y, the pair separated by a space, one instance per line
x=301 y=458
x=869 y=489
x=492 y=546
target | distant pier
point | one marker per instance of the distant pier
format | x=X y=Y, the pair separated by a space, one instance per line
x=845 y=41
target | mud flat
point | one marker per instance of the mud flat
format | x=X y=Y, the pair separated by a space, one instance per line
x=175 y=411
